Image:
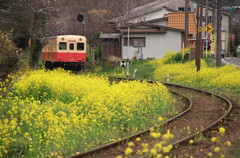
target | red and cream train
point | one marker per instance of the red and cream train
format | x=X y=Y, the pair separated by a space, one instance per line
x=66 y=51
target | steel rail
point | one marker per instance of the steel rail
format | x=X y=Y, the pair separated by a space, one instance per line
x=230 y=107
x=144 y=132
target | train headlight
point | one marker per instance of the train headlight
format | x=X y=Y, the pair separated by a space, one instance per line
x=80 y=39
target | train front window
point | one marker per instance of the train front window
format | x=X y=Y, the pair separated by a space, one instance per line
x=71 y=46
x=80 y=46
x=62 y=46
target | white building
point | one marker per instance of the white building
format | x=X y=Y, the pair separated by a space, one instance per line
x=149 y=40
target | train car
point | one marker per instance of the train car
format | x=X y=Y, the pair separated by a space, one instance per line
x=66 y=51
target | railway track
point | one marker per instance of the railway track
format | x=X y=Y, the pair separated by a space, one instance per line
x=204 y=111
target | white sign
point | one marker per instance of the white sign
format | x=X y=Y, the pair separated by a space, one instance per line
x=123 y=64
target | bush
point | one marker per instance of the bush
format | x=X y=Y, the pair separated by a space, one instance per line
x=173 y=57
x=9 y=58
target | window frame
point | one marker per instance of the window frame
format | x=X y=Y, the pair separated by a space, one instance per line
x=135 y=41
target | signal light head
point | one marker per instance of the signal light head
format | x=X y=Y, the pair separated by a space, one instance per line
x=80 y=17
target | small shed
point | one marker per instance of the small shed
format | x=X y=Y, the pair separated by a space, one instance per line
x=110 y=43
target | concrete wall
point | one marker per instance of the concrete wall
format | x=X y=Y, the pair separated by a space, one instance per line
x=156 y=45
x=163 y=23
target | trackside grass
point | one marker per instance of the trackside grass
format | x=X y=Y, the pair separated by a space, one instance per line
x=225 y=78
x=56 y=113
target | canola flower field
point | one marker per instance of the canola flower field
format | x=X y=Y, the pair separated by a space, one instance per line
x=57 y=113
x=225 y=78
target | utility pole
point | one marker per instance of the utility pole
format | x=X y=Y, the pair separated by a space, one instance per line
x=197 y=58
x=186 y=22
x=219 y=26
x=199 y=44
x=214 y=24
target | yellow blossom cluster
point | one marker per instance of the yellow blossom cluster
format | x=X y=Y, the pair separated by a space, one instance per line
x=156 y=149
x=56 y=113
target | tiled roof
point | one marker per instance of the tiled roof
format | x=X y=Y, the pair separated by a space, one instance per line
x=144 y=27
x=109 y=35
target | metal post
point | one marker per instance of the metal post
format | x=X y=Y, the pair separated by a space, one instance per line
x=128 y=42
x=186 y=22
x=83 y=28
x=127 y=69
x=219 y=26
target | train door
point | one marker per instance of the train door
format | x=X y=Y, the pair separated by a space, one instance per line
x=71 y=51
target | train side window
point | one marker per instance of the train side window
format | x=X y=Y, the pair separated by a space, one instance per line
x=62 y=45
x=80 y=46
x=50 y=47
x=71 y=46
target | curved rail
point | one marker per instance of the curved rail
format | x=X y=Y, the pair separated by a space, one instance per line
x=210 y=125
x=90 y=152
x=131 y=137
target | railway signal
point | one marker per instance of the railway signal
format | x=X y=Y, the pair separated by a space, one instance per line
x=80 y=17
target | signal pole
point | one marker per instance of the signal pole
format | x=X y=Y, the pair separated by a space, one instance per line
x=219 y=26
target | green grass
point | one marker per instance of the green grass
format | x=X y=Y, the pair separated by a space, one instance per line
x=143 y=70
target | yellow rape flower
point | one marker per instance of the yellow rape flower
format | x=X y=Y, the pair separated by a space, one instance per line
x=155 y=135
x=159 y=156
x=216 y=149
x=168 y=135
x=191 y=141
x=167 y=149
x=131 y=144
x=138 y=139
x=153 y=152
x=214 y=139
x=210 y=154
x=227 y=143
x=222 y=130
x=160 y=119
x=128 y=151
x=158 y=145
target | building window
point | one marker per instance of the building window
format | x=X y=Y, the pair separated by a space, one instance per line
x=135 y=41
x=71 y=46
x=183 y=9
x=62 y=46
